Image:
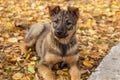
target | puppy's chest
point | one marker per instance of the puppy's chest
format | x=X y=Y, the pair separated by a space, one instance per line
x=68 y=49
x=63 y=50
x=66 y=53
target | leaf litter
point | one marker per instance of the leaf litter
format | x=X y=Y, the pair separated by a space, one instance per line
x=98 y=31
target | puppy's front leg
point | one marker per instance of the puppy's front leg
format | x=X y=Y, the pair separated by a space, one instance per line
x=74 y=72
x=46 y=72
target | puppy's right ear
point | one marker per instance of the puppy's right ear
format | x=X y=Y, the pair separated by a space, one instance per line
x=53 y=10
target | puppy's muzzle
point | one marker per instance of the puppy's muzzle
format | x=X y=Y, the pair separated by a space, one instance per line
x=60 y=33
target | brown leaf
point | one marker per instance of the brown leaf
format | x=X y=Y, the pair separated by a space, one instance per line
x=26 y=78
x=5 y=35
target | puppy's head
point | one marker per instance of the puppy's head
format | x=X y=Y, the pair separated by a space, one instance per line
x=63 y=22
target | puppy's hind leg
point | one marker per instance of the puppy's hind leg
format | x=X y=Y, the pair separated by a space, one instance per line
x=34 y=33
x=31 y=36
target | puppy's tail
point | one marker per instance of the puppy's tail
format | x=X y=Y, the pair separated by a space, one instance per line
x=24 y=26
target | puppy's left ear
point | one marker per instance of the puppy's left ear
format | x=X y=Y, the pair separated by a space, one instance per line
x=74 y=11
x=53 y=10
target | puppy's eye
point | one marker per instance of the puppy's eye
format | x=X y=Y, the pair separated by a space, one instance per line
x=69 y=25
x=55 y=22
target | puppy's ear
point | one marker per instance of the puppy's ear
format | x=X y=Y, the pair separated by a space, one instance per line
x=53 y=10
x=74 y=11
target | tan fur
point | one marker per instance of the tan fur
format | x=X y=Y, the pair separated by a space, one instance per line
x=74 y=72
x=45 y=72
x=52 y=59
x=70 y=59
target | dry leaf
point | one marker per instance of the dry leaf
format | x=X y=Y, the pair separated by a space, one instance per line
x=98 y=30
x=9 y=26
x=5 y=35
x=89 y=23
x=88 y=63
x=13 y=40
x=1 y=39
x=31 y=69
x=26 y=78
x=27 y=56
x=17 y=76
x=59 y=72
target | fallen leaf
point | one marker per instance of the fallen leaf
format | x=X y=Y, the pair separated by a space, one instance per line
x=27 y=56
x=65 y=73
x=8 y=70
x=26 y=78
x=88 y=63
x=1 y=39
x=34 y=58
x=13 y=40
x=5 y=35
x=31 y=69
x=17 y=76
x=1 y=70
x=59 y=72
x=89 y=23
x=9 y=26
x=20 y=38
x=16 y=34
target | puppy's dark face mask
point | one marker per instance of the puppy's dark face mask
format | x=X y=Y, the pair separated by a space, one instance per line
x=63 y=21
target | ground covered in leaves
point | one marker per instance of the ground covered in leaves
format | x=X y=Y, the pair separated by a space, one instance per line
x=99 y=30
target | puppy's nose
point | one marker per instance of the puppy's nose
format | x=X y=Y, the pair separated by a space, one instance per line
x=59 y=32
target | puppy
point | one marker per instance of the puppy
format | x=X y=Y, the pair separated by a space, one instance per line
x=56 y=42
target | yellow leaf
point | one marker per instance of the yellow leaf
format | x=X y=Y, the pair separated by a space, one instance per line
x=29 y=50
x=1 y=70
x=89 y=23
x=87 y=63
x=52 y=0
x=9 y=25
x=31 y=63
x=117 y=12
x=65 y=73
x=12 y=60
x=39 y=3
x=13 y=40
x=28 y=56
x=90 y=7
x=114 y=3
